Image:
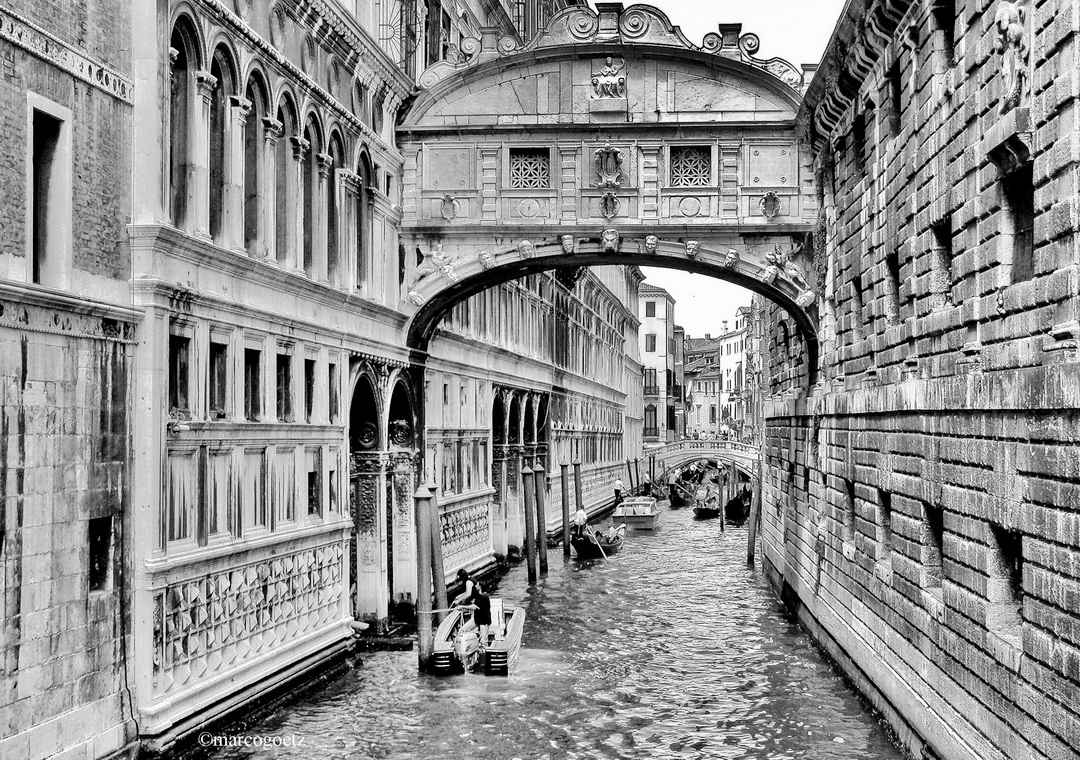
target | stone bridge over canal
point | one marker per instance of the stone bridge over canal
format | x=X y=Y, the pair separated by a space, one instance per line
x=671 y=456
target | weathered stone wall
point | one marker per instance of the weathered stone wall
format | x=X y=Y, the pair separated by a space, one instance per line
x=64 y=519
x=921 y=504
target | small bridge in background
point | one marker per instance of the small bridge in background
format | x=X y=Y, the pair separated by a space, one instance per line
x=681 y=453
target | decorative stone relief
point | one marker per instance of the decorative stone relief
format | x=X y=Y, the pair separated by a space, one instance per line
x=401 y=432
x=415 y=298
x=732 y=258
x=608 y=167
x=610 y=241
x=525 y=248
x=770 y=205
x=651 y=241
x=568 y=243
x=486 y=259
x=691 y=248
x=609 y=205
x=784 y=264
x=1010 y=27
x=437 y=261
x=448 y=207
x=609 y=82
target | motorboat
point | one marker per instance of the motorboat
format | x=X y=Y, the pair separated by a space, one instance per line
x=639 y=512
x=458 y=649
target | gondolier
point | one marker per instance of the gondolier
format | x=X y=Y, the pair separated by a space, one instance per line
x=618 y=491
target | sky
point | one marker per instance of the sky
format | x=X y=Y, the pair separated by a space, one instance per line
x=796 y=30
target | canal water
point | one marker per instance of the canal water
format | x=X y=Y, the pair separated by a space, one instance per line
x=671 y=649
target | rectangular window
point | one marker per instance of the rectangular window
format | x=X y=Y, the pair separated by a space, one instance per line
x=712 y=414
x=309 y=389
x=650 y=308
x=530 y=168
x=1005 y=590
x=1018 y=195
x=314 y=481
x=941 y=264
x=333 y=395
x=884 y=527
x=218 y=380
x=943 y=32
x=858 y=142
x=933 y=545
x=896 y=93
x=284 y=388
x=99 y=542
x=179 y=373
x=252 y=384
x=650 y=343
x=49 y=232
x=691 y=166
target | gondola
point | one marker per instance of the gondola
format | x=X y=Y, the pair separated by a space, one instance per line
x=681 y=496
x=596 y=546
x=457 y=645
x=706 y=513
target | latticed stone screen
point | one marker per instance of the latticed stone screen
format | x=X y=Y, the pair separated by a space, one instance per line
x=691 y=166
x=530 y=168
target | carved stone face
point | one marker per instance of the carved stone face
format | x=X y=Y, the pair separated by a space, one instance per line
x=732 y=258
x=525 y=248
x=651 y=241
x=609 y=241
x=487 y=261
x=805 y=299
x=692 y=249
x=415 y=298
x=568 y=243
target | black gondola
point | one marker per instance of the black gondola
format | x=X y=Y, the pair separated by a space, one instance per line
x=596 y=546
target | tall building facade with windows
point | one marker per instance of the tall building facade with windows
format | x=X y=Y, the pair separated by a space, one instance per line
x=715 y=376
x=658 y=355
x=67 y=370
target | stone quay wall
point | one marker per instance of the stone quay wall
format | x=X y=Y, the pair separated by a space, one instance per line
x=922 y=507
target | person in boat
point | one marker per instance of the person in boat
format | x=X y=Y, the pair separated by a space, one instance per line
x=611 y=533
x=618 y=491
x=579 y=522
x=475 y=597
x=672 y=482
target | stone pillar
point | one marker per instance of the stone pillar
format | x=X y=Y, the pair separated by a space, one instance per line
x=515 y=528
x=499 y=508
x=366 y=489
x=272 y=131
x=233 y=170
x=650 y=181
x=294 y=261
x=326 y=189
x=402 y=517
x=199 y=160
x=568 y=183
x=489 y=184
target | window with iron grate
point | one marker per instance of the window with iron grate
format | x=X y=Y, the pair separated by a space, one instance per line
x=691 y=166
x=530 y=168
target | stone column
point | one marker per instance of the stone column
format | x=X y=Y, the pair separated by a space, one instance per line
x=489 y=184
x=651 y=181
x=402 y=515
x=198 y=217
x=233 y=170
x=326 y=190
x=498 y=482
x=294 y=260
x=568 y=183
x=366 y=477
x=272 y=131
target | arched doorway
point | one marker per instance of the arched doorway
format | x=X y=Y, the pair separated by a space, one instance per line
x=401 y=483
x=365 y=478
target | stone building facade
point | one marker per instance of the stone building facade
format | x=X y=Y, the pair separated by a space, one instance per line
x=920 y=506
x=66 y=370
x=656 y=343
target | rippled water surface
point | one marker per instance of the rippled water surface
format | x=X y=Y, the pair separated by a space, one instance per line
x=671 y=649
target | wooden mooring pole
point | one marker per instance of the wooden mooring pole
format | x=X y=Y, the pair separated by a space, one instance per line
x=755 y=512
x=577 y=485
x=438 y=571
x=422 y=498
x=565 y=471
x=529 y=495
x=540 y=480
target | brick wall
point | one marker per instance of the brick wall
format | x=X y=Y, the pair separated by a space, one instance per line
x=922 y=500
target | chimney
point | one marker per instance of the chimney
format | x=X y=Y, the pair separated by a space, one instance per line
x=708 y=336
x=724 y=323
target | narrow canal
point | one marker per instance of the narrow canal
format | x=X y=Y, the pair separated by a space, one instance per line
x=671 y=649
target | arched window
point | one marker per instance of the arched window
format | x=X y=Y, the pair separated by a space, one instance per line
x=363 y=223
x=337 y=153
x=283 y=167
x=184 y=62
x=309 y=195
x=221 y=70
x=253 y=169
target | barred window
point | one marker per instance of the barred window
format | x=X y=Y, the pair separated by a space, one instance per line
x=530 y=168
x=691 y=166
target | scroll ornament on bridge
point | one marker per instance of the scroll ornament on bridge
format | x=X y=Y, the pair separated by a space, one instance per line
x=437 y=261
x=1010 y=27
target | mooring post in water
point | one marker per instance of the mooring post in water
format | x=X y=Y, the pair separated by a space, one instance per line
x=629 y=480
x=438 y=572
x=577 y=485
x=637 y=469
x=565 y=470
x=422 y=498
x=755 y=509
x=527 y=491
x=540 y=481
